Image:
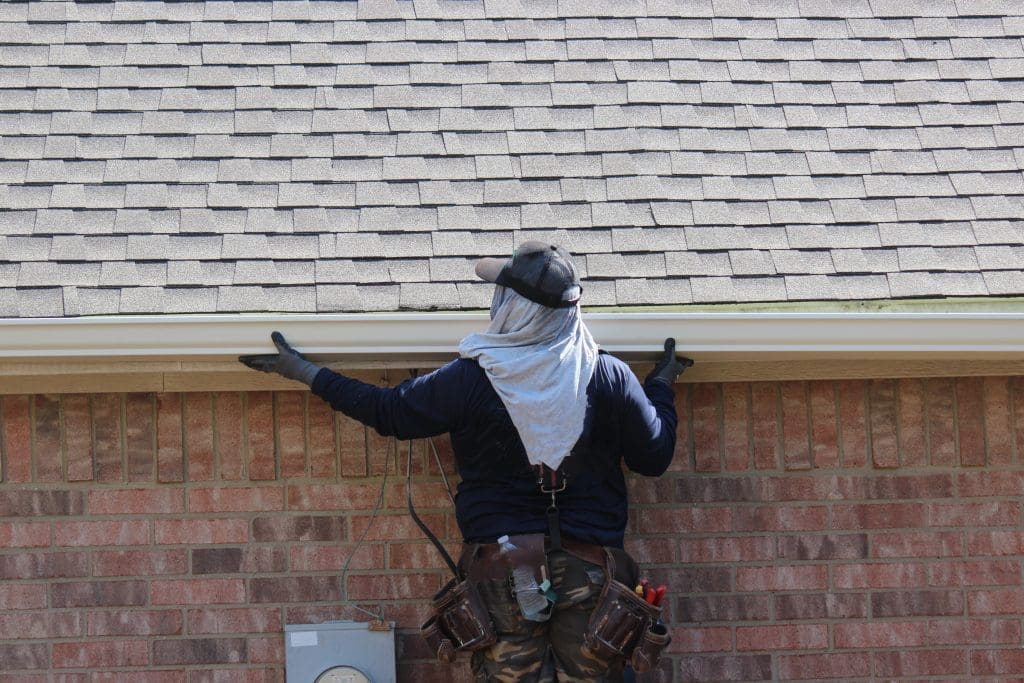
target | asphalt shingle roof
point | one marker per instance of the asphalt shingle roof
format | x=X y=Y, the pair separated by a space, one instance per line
x=341 y=156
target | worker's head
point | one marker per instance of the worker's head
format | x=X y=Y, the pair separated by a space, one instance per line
x=541 y=272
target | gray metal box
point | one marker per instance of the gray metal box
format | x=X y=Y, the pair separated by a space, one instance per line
x=313 y=649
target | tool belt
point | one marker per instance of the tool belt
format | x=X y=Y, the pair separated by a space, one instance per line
x=460 y=621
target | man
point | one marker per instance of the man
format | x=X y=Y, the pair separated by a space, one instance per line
x=540 y=422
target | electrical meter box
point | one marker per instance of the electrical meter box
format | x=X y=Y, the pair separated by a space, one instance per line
x=339 y=652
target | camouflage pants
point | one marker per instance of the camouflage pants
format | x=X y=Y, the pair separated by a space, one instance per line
x=543 y=652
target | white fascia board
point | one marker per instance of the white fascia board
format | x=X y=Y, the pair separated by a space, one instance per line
x=404 y=337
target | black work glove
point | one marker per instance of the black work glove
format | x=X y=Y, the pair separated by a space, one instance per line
x=670 y=366
x=287 y=363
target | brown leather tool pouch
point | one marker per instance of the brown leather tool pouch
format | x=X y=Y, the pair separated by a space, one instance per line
x=622 y=619
x=648 y=651
x=460 y=621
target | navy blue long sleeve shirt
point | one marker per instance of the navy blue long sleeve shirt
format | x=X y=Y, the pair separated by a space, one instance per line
x=498 y=492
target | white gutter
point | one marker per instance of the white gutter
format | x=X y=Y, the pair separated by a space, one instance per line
x=397 y=338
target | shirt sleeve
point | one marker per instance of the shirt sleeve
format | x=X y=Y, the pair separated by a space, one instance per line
x=649 y=425
x=420 y=407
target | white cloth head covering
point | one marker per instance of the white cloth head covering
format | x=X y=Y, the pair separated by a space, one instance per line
x=539 y=361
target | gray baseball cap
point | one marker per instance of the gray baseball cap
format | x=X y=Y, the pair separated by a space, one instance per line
x=539 y=271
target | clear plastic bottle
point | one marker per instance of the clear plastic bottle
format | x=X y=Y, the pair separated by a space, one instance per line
x=532 y=601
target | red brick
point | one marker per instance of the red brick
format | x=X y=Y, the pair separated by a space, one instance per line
x=973 y=631
x=995 y=601
x=878 y=516
x=939 y=394
x=260 y=420
x=921 y=663
x=787 y=578
x=822 y=547
x=707 y=430
x=887 y=575
x=296 y=589
x=882 y=411
x=201 y=531
x=824 y=666
x=911 y=415
x=46 y=446
x=23 y=656
x=140 y=436
x=15 y=439
x=987 y=572
x=78 y=437
x=106 y=532
x=726 y=668
x=922 y=603
x=795 y=426
x=852 y=422
x=228 y=436
x=727 y=549
x=199 y=436
x=995 y=543
x=196 y=651
x=824 y=425
x=719 y=489
x=262 y=674
x=333 y=496
x=924 y=544
x=970 y=410
x=997 y=662
x=106 y=417
x=40 y=503
x=782 y=637
x=682 y=455
x=323 y=447
x=24 y=534
x=998 y=429
x=61 y=564
x=135 y=622
x=169 y=451
x=266 y=649
x=197 y=591
x=994 y=513
x=814 y=489
x=708 y=639
x=242 y=620
x=652 y=550
x=291 y=432
x=1017 y=408
x=765 y=419
x=703 y=608
x=147 y=676
x=380 y=452
x=394 y=586
x=416 y=556
x=332 y=557
x=24 y=625
x=236 y=499
x=251 y=559
x=821 y=606
x=139 y=562
x=98 y=594
x=736 y=425
x=93 y=654
x=984 y=484
x=892 y=486
x=781 y=518
x=693 y=519
x=352 y=441
x=881 y=634
x=162 y=501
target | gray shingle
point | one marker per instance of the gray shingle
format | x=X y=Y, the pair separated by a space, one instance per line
x=126 y=274
x=55 y=221
x=51 y=274
x=637 y=265
x=999 y=257
x=560 y=165
x=386 y=193
x=583 y=190
x=728 y=236
x=466 y=243
x=556 y=215
x=800 y=211
x=654 y=187
x=428 y=296
x=801 y=262
x=998 y=207
x=1006 y=282
x=897 y=185
x=478 y=217
x=39 y=302
x=727 y=187
x=203 y=220
x=644 y=291
x=658 y=92
x=730 y=213
x=393 y=218
x=698 y=263
x=588 y=94
x=625 y=214
x=988 y=183
x=727 y=289
x=626 y=116
x=924 y=284
x=959 y=114
x=521 y=191
x=17 y=222
x=87 y=247
x=578 y=241
x=631 y=139
x=836 y=287
x=9 y=273
x=939 y=208
x=751 y=262
x=864 y=210
x=204 y=274
x=975 y=160
x=945 y=233
x=832 y=236
x=864 y=260
x=433 y=168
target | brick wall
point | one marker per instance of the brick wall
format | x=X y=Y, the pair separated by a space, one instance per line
x=848 y=530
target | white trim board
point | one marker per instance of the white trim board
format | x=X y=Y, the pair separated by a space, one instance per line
x=198 y=352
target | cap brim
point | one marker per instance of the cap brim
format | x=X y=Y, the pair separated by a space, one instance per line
x=489 y=268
